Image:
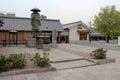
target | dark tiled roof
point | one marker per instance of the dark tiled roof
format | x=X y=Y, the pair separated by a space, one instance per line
x=95 y=33
x=24 y=24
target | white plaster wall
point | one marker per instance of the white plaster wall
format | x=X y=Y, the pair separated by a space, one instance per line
x=88 y=36
x=73 y=34
x=118 y=40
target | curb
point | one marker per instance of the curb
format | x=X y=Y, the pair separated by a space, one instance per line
x=18 y=72
x=101 y=61
x=67 y=60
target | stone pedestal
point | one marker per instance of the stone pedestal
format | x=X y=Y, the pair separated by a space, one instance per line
x=46 y=47
x=31 y=42
x=39 y=42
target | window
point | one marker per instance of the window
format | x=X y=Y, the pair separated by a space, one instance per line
x=79 y=26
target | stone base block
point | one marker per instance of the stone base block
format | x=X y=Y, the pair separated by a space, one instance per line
x=54 y=45
x=46 y=47
x=31 y=42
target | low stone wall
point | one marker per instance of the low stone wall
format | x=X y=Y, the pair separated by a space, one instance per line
x=26 y=71
x=87 y=56
x=102 y=61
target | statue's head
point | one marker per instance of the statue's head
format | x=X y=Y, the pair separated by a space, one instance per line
x=36 y=10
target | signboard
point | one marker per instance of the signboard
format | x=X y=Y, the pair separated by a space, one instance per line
x=118 y=40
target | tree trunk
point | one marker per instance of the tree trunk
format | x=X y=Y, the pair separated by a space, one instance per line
x=107 y=38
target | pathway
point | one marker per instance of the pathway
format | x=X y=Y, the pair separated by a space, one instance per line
x=99 y=72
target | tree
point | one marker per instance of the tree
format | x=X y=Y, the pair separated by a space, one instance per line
x=107 y=22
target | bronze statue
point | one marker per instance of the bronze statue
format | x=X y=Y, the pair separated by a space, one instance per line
x=35 y=21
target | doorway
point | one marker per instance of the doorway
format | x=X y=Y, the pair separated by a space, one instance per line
x=82 y=36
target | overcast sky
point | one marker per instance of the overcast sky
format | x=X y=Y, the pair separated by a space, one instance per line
x=66 y=11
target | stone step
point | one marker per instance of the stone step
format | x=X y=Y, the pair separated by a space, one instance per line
x=27 y=71
x=72 y=64
x=67 y=60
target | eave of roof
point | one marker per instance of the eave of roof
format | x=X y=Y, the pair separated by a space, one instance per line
x=73 y=24
x=96 y=34
x=27 y=18
x=68 y=25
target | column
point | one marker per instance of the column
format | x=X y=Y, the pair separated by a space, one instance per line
x=54 y=38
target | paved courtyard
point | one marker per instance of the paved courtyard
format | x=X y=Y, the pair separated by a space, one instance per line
x=112 y=45
x=99 y=72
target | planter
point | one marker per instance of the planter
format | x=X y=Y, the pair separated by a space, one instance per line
x=102 y=61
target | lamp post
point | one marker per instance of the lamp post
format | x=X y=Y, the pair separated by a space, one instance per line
x=111 y=36
x=90 y=33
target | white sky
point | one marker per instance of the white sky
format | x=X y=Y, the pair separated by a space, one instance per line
x=66 y=11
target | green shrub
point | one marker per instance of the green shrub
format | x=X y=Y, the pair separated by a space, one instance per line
x=17 y=60
x=12 y=61
x=4 y=63
x=99 y=53
x=39 y=61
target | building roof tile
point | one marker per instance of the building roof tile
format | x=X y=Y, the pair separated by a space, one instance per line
x=24 y=24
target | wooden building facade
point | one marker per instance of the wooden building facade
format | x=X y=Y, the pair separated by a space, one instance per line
x=23 y=28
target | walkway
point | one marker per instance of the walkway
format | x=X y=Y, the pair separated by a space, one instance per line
x=113 y=45
x=99 y=72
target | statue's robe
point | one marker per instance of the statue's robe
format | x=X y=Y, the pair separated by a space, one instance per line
x=35 y=21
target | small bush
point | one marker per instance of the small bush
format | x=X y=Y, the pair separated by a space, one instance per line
x=12 y=61
x=17 y=60
x=99 y=53
x=39 y=61
x=4 y=63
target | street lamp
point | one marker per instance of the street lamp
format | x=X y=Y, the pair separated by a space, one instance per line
x=90 y=33
x=90 y=37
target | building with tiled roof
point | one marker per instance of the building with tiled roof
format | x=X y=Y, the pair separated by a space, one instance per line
x=76 y=31
x=24 y=29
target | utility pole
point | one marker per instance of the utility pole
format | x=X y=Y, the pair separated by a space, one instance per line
x=90 y=32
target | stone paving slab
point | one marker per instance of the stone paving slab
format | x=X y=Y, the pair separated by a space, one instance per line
x=76 y=49
x=60 y=55
x=6 y=78
x=54 y=55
